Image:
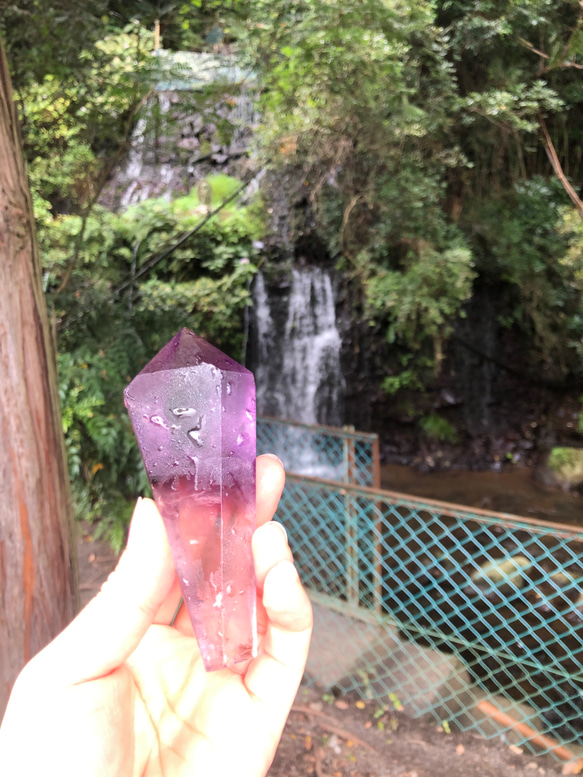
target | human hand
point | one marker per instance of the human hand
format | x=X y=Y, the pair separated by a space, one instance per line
x=121 y=693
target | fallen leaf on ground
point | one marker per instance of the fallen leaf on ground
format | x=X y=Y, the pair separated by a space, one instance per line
x=460 y=750
x=308 y=742
x=517 y=750
x=360 y=704
x=341 y=704
x=368 y=724
x=91 y=558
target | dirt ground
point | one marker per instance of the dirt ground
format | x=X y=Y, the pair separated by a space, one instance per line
x=346 y=737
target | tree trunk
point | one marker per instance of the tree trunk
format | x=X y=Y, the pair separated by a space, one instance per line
x=38 y=576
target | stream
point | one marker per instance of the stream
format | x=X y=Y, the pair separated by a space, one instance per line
x=512 y=491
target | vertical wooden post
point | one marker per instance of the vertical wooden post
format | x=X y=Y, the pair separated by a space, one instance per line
x=38 y=585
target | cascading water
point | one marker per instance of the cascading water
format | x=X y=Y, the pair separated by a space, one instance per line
x=296 y=360
x=297 y=354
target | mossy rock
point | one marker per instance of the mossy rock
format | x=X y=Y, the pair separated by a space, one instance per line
x=565 y=468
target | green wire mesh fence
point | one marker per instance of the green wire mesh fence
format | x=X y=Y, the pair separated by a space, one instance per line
x=472 y=618
x=324 y=451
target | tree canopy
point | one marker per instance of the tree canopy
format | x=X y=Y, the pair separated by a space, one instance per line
x=429 y=146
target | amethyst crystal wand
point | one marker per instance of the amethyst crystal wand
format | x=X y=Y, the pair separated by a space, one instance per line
x=193 y=412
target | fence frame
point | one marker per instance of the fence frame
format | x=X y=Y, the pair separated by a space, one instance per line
x=373 y=614
x=349 y=437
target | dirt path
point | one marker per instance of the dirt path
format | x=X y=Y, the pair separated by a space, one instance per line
x=327 y=737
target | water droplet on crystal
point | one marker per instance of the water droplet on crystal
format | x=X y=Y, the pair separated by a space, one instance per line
x=158 y=420
x=240 y=439
x=249 y=415
x=183 y=411
x=228 y=388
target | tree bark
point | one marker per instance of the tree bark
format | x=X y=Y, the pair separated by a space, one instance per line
x=38 y=575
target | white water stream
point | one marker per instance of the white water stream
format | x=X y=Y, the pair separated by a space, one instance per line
x=297 y=368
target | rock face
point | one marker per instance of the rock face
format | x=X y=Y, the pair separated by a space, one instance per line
x=375 y=656
x=199 y=120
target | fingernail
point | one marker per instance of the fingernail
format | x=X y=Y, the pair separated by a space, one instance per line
x=280 y=526
x=271 y=456
x=266 y=527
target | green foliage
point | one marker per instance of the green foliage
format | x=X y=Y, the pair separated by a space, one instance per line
x=437 y=428
x=106 y=337
x=406 y=379
x=420 y=126
x=104 y=464
x=529 y=237
x=424 y=298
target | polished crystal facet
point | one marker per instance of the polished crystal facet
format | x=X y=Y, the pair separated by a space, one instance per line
x=193 y=412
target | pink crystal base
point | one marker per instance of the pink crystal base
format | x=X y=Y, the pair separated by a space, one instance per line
x=210 y=537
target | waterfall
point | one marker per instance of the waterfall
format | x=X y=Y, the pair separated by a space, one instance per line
x=297 y=350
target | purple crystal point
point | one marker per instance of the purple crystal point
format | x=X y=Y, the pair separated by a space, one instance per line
x=193 y=412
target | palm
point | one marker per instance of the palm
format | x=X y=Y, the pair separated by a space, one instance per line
x=184 y=716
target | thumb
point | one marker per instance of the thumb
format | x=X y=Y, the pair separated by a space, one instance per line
x=110 y=627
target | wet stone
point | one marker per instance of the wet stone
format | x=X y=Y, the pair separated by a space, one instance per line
x=193 y=412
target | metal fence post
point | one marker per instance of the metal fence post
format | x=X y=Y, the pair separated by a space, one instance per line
x=378 y=558
x=350 y=520
x=376 y=464
x=349 y=457
x=351 y=548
